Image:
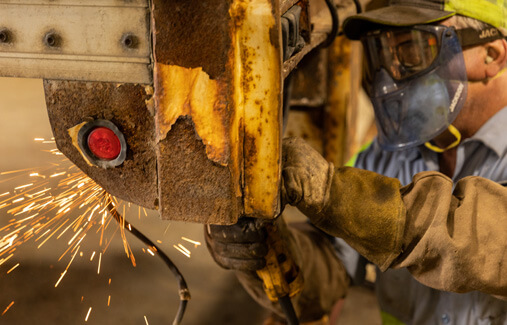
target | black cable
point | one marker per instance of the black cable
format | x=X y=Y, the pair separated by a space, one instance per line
x=336 y=23
x=359 y=9
x=288 y=310
x=183 y=288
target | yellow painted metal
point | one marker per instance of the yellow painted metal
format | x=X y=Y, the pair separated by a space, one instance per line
x=238 y=119
x=191 y=92
x=257 y=97
x=73 y=132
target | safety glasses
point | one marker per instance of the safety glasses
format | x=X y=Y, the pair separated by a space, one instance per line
x=403 y=52
x=406 y=52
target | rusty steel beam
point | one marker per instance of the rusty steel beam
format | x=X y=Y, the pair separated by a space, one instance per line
x=197 y=99
x=70 y=103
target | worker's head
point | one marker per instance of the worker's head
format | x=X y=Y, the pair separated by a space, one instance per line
x=422 y=55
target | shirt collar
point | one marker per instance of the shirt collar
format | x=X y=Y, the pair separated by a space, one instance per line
x=493 y=133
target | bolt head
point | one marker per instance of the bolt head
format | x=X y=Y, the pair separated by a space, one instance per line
x=5 y=36
x=52 y=40
x=129 y=41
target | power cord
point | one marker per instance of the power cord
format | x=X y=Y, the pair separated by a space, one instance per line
x=183 y=291
x=336 y=23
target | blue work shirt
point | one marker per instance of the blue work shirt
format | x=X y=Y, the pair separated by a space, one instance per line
x=399 y=294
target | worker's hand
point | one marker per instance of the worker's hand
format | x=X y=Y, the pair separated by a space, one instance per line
x=239 y=247
x=306 y=176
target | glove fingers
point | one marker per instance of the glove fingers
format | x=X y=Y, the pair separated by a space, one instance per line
x=241 y=251
x=235 y=256
x=240 y=264
x=245 y=231
x=292 y=186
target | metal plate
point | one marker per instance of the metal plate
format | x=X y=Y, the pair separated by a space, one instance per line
x=91 y=40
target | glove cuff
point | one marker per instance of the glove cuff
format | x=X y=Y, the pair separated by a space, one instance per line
x=367 y=211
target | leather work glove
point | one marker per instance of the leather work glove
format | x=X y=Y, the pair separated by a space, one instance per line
x=306 y=175
x=240 y=247
x=243 y=247
x=362 y=207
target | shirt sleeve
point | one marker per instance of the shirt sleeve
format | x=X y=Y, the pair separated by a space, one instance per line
x=449 y=239
x=455 y=240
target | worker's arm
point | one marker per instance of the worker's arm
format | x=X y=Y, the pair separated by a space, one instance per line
x=459 y=242
x=453 y=240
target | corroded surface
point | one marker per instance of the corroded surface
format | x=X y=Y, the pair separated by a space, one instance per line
x=198 y=127
x=192 y=187
x=206 y=147
x=71 y=103
x=190 y=92
x=193 y=34
x=257 y=93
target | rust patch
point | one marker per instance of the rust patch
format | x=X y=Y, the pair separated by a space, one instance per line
x=193 y=94
x=192 y=187
x=192 y=34
x=274 y=36
x=190 y=92
x=71 y=103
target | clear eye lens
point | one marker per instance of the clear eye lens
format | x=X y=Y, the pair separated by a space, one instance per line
x=104 y=143
x=401 y=52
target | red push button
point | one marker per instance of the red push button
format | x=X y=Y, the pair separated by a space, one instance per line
x=104 y=143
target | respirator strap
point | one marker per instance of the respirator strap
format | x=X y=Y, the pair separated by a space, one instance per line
x=455 y=132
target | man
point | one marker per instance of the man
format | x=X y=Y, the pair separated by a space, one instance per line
x=437 y=85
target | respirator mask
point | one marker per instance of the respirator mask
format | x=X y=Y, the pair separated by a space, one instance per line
x=417 y=82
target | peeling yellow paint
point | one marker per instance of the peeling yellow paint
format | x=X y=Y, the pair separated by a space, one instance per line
x=150 y=103
x=73 y=133
x=257 y=94
x=190 y=92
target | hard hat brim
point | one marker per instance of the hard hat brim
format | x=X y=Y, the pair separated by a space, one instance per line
x=395 y=15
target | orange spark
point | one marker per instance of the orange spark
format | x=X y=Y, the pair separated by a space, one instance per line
x=100 y=259
x=196 y=243
x=12 y=269
x=23 y=186
x=182 y=251
x=8 y=307
x=184 y=248
x=88 y=314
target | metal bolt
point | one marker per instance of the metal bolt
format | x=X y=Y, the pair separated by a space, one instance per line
x=52 y=39
x=129 y=41
x=5 y=36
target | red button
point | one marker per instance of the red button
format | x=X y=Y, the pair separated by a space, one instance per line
x=104 y=143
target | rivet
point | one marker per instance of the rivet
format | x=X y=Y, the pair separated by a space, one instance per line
x=129 y=41
x=5 y=36
x=52 y=39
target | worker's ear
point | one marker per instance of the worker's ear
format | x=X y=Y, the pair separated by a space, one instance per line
x=495 y=57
